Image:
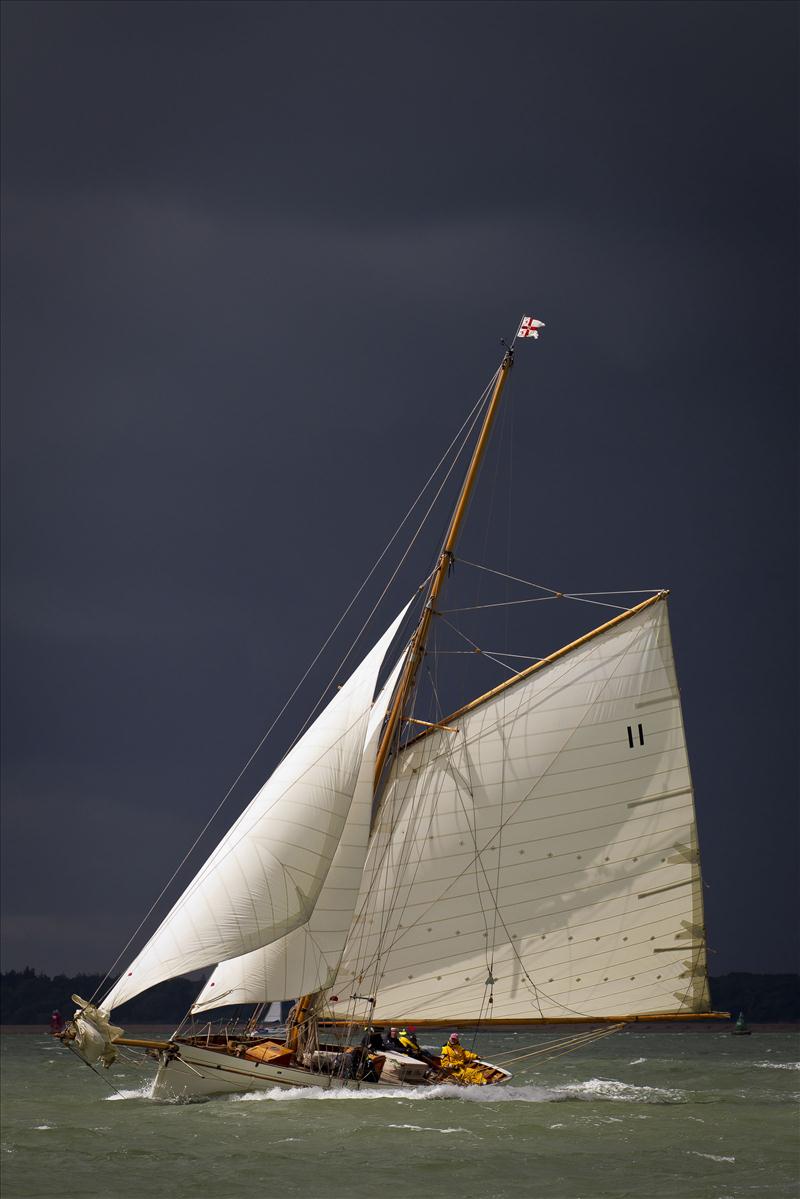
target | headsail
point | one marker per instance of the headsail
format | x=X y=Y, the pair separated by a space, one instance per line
x=264 y=877
x=306 y=960
x=542 y=862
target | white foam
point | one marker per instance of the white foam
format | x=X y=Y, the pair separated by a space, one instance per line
x=777 y=1065
x=637 y=1061
x=42 y=1127
x=611 y=1088
x=712 y=1157
x=468 y=1094
x=425 y=1128
x=143 y=1092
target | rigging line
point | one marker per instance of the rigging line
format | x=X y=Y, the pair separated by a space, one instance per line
x=631 y=591
x=504 y=575
x=497 y=652
x=510 y=512
x=578 y=661
x=565 y=1045
x=473 y=826
x=386 y=821
x=470 y=420
x=91 y=1067
x=477 y=411
x=403 y=865
x=477 y=648
x=385 y=913
x=390 y=820
x=615 y=1028
x=492 y=491
x=389 y=910
x=448 y=751
x=580 y=599
x=389 y=894
x=537 y=599
x=501 y=825
x=539 y=1047
x=478 y=860
x=620 y=661
x=214 y=862
x=538 y=990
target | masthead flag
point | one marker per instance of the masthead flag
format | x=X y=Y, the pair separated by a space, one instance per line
x=529 y=327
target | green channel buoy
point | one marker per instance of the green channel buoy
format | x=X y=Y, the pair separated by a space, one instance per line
x=740 y=1028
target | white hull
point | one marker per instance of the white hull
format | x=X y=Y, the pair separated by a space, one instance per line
x=196 y=1072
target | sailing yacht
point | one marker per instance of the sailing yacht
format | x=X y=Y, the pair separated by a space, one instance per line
x=531 y=858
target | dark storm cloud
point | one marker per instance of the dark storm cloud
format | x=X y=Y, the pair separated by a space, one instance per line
x=248 y=250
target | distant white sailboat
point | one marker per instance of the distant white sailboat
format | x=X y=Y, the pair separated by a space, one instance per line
x=532 y=858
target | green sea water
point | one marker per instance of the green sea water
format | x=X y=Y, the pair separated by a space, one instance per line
x=679 y=1113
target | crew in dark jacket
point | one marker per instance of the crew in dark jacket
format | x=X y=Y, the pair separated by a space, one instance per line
x=393 y=1042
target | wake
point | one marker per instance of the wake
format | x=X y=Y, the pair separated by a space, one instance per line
x=595 y=1089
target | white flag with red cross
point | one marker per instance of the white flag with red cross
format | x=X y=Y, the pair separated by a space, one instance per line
x=529 y=327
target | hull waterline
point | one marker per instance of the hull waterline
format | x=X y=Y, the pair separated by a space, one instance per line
x=187 y=1072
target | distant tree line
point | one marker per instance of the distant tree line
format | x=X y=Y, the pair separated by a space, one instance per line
x=28 y=998
x=763 y=998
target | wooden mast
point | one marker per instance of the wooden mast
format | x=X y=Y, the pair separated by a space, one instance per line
x=304 y=1010
x=416 y=649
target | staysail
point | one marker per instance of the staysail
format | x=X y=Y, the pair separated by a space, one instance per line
x=306 y=959
x=541 y=861
x=264 y=878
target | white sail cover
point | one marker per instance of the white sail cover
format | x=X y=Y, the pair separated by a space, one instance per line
x=544 y=856
x=305 y=961
x=264 y=878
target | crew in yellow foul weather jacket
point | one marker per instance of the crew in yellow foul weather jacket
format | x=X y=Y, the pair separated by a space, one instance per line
x=408 y=1039
x=455 y=1058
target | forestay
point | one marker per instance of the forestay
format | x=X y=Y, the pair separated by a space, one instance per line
x=264 y=878
x=306 y=960
x=544 y=856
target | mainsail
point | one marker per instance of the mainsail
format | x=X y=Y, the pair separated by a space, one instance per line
x=264 y=878
x=306 y=960
x=541 y=861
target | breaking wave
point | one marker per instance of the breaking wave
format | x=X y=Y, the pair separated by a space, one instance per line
x=142 y=1092
x=593 y=1089
x=610 y=1088
x=465 y=1094
x=428 y=1128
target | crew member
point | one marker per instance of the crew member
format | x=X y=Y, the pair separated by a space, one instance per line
x=455 y=1059
x=373 y=1040
x=393 y=1042
x=411 y=1046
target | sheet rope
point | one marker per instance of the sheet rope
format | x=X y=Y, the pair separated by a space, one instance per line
x=557 y=1048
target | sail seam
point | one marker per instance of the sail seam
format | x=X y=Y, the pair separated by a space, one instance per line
x=449 y=751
